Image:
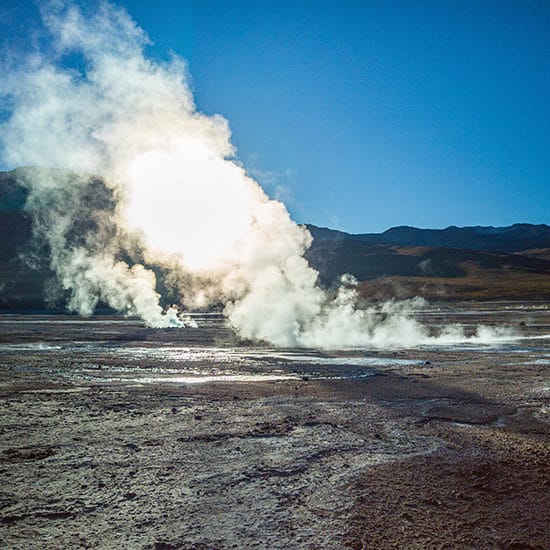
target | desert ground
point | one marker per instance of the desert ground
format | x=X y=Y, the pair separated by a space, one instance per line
x=117 y=435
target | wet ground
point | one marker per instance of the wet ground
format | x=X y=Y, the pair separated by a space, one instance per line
x=115 y=434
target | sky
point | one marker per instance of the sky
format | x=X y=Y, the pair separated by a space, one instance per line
x=364 y=115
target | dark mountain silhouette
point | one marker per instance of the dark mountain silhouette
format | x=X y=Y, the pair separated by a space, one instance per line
x=23 y=274
x=470 y=262
x=514 y=238
x=447 y=263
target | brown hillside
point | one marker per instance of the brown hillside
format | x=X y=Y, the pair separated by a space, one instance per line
x=543 y=253
x=476 y=284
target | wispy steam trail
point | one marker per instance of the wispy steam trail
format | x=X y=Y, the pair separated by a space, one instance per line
x=174 y=188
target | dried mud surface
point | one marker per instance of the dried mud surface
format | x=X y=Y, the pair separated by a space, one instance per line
x=103 y=445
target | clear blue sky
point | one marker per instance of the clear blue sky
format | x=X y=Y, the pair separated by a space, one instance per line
x=369 y=115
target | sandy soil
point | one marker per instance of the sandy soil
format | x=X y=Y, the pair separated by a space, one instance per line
x=434 y=448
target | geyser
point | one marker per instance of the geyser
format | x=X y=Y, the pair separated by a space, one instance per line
x=177 y=190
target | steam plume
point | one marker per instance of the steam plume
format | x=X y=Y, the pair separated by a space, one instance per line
x=174 y=187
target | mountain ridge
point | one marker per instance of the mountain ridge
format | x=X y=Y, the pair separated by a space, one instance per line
x=513 y=238
x=476 y=262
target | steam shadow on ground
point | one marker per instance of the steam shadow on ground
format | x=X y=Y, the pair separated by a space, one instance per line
x=487 y=485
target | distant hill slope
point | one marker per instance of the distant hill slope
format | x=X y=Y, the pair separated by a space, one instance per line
x=471 y=262
x=537 y=253
x=399 y=263
x=514 y=238
x=371 y=255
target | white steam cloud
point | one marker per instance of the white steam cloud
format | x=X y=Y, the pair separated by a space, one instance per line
x=175 y=184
